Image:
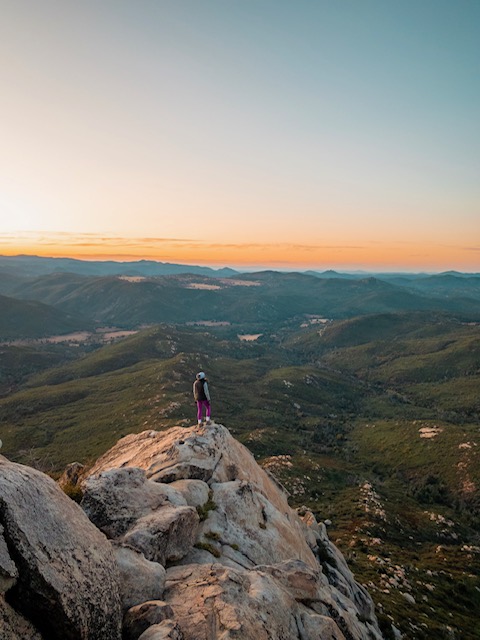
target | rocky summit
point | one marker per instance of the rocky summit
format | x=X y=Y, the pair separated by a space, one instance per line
x=180 y=535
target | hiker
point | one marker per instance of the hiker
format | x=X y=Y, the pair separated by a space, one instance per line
x=202 y=397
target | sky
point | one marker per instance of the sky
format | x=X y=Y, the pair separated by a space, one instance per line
x=289 y=134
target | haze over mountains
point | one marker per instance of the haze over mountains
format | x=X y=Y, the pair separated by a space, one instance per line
x=28 y=266
x=133 y=294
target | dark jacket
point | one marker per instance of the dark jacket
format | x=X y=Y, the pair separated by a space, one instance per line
x=200 y=390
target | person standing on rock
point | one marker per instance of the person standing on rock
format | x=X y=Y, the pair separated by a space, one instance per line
x=201 y=394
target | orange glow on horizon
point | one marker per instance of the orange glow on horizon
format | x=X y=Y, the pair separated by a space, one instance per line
x=287 y=142
x=373 y=255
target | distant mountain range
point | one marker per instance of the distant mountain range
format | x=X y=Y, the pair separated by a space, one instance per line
x=394 y=276
x=254 y=299
x=123 y=298
x=34 y=266
x=26 y=266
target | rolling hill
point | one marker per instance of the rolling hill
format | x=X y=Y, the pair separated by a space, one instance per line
x=17 y=363
x=259 y=299
x=31 y=319
x=449 y=285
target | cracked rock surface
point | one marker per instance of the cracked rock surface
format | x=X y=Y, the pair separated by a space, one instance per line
x=58 y=574
x=242 y=564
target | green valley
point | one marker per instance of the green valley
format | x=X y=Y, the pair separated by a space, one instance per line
x=371 y=420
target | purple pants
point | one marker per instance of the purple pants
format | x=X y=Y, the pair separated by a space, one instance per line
x=200 y=405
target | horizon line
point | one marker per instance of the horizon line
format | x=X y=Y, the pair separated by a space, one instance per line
x=245 y=269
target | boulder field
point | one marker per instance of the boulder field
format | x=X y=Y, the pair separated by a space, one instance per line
x=180 y=535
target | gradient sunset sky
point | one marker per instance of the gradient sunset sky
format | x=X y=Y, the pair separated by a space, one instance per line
x=295 y=134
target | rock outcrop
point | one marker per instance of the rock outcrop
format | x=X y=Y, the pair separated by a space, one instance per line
x=14 y=626
x=58 y=575
x=239 y=562
x=180 y=534
x=140 y=579
x=140 y=618
x=150 y=517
